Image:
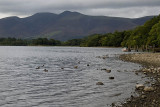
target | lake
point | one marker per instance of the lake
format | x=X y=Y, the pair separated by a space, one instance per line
x=71 y=78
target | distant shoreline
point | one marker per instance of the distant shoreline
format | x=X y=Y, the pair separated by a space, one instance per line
x=64 y=46
x=151 y=62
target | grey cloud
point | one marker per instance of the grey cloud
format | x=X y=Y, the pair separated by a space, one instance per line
x=133 y=12
x=98 y=7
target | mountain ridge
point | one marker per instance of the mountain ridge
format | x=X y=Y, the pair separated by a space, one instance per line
x=64 y=26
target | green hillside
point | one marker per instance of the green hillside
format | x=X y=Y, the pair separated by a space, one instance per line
x=145 y=35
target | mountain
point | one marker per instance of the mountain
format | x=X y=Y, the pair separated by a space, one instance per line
x=64 y=26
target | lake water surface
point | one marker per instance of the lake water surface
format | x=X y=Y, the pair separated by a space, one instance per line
x=22 y=85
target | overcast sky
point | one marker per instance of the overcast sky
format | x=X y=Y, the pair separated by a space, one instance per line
x=117 y=8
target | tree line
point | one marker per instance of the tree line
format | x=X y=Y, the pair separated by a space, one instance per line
x=145 y=35
x=33 y=42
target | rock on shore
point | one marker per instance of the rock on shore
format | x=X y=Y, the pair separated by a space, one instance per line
x=140 y=86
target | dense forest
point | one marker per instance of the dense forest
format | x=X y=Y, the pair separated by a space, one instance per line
x=33 y=42
x=145 y=35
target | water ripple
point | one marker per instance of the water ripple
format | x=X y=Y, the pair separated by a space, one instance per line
x=64 y=85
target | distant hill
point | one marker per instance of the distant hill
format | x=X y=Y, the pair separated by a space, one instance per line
x=64 y=26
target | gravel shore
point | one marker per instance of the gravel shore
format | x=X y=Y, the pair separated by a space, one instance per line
x=147 y=59
x=149 y=96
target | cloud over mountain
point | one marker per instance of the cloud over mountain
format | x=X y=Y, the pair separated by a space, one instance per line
x=118 y=8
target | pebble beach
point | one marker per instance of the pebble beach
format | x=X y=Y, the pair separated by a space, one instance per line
x=149 y=96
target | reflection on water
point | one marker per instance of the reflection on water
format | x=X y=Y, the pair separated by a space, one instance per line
x=23 y=81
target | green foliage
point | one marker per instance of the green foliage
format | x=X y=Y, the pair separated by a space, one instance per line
x=154 y=37
x=93 y=41
x=126 y=37
x=110 y=39
x=146 y=34
x=73 y=42
x=20 y=42
x=12 y=42
x=45 y=42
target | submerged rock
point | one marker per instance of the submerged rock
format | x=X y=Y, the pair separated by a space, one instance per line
x=103 y=57
x=45 y=70
x=75 y=67
x=98 y=56
x=118 y=71
x=136 y=73
x=108 y=71
x=111 y=77
x=99 y=83
x=103 y=69
x=38 y=68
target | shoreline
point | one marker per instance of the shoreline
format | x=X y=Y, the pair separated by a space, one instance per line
x=62 y=46
x=145 y=98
